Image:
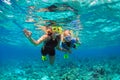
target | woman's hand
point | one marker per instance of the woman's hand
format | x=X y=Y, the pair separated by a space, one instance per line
x=27 y=33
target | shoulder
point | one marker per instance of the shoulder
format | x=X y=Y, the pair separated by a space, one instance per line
x=44 y=36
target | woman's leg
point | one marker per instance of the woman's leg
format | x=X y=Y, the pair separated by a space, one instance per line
x=52 y=56
x=51 y=59
x=44 y=53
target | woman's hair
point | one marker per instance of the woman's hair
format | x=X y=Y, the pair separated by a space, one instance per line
x=51 y=22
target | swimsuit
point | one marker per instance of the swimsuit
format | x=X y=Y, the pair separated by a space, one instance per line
x=49 y=46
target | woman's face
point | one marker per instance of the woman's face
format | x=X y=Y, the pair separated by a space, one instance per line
x=49 y=32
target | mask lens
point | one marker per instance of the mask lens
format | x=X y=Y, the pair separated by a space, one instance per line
x=68 y=38
x=54 y=28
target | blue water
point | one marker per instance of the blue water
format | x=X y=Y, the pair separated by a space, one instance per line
x=97 y=58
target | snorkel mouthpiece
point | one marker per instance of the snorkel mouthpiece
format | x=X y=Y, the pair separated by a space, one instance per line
x=49 y=32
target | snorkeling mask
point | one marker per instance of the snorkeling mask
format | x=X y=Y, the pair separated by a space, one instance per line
x=68 y=38
x=57 y=29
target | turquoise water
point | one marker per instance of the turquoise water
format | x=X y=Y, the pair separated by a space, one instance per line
x=97 y=58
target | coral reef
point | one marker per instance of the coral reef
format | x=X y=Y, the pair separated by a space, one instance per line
x=82 y=69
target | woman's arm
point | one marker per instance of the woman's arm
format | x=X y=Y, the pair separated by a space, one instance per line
x=40 y=40
x=35 y=42
x=60 y=48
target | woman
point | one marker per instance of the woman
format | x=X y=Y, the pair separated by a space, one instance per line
x=50 y=40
